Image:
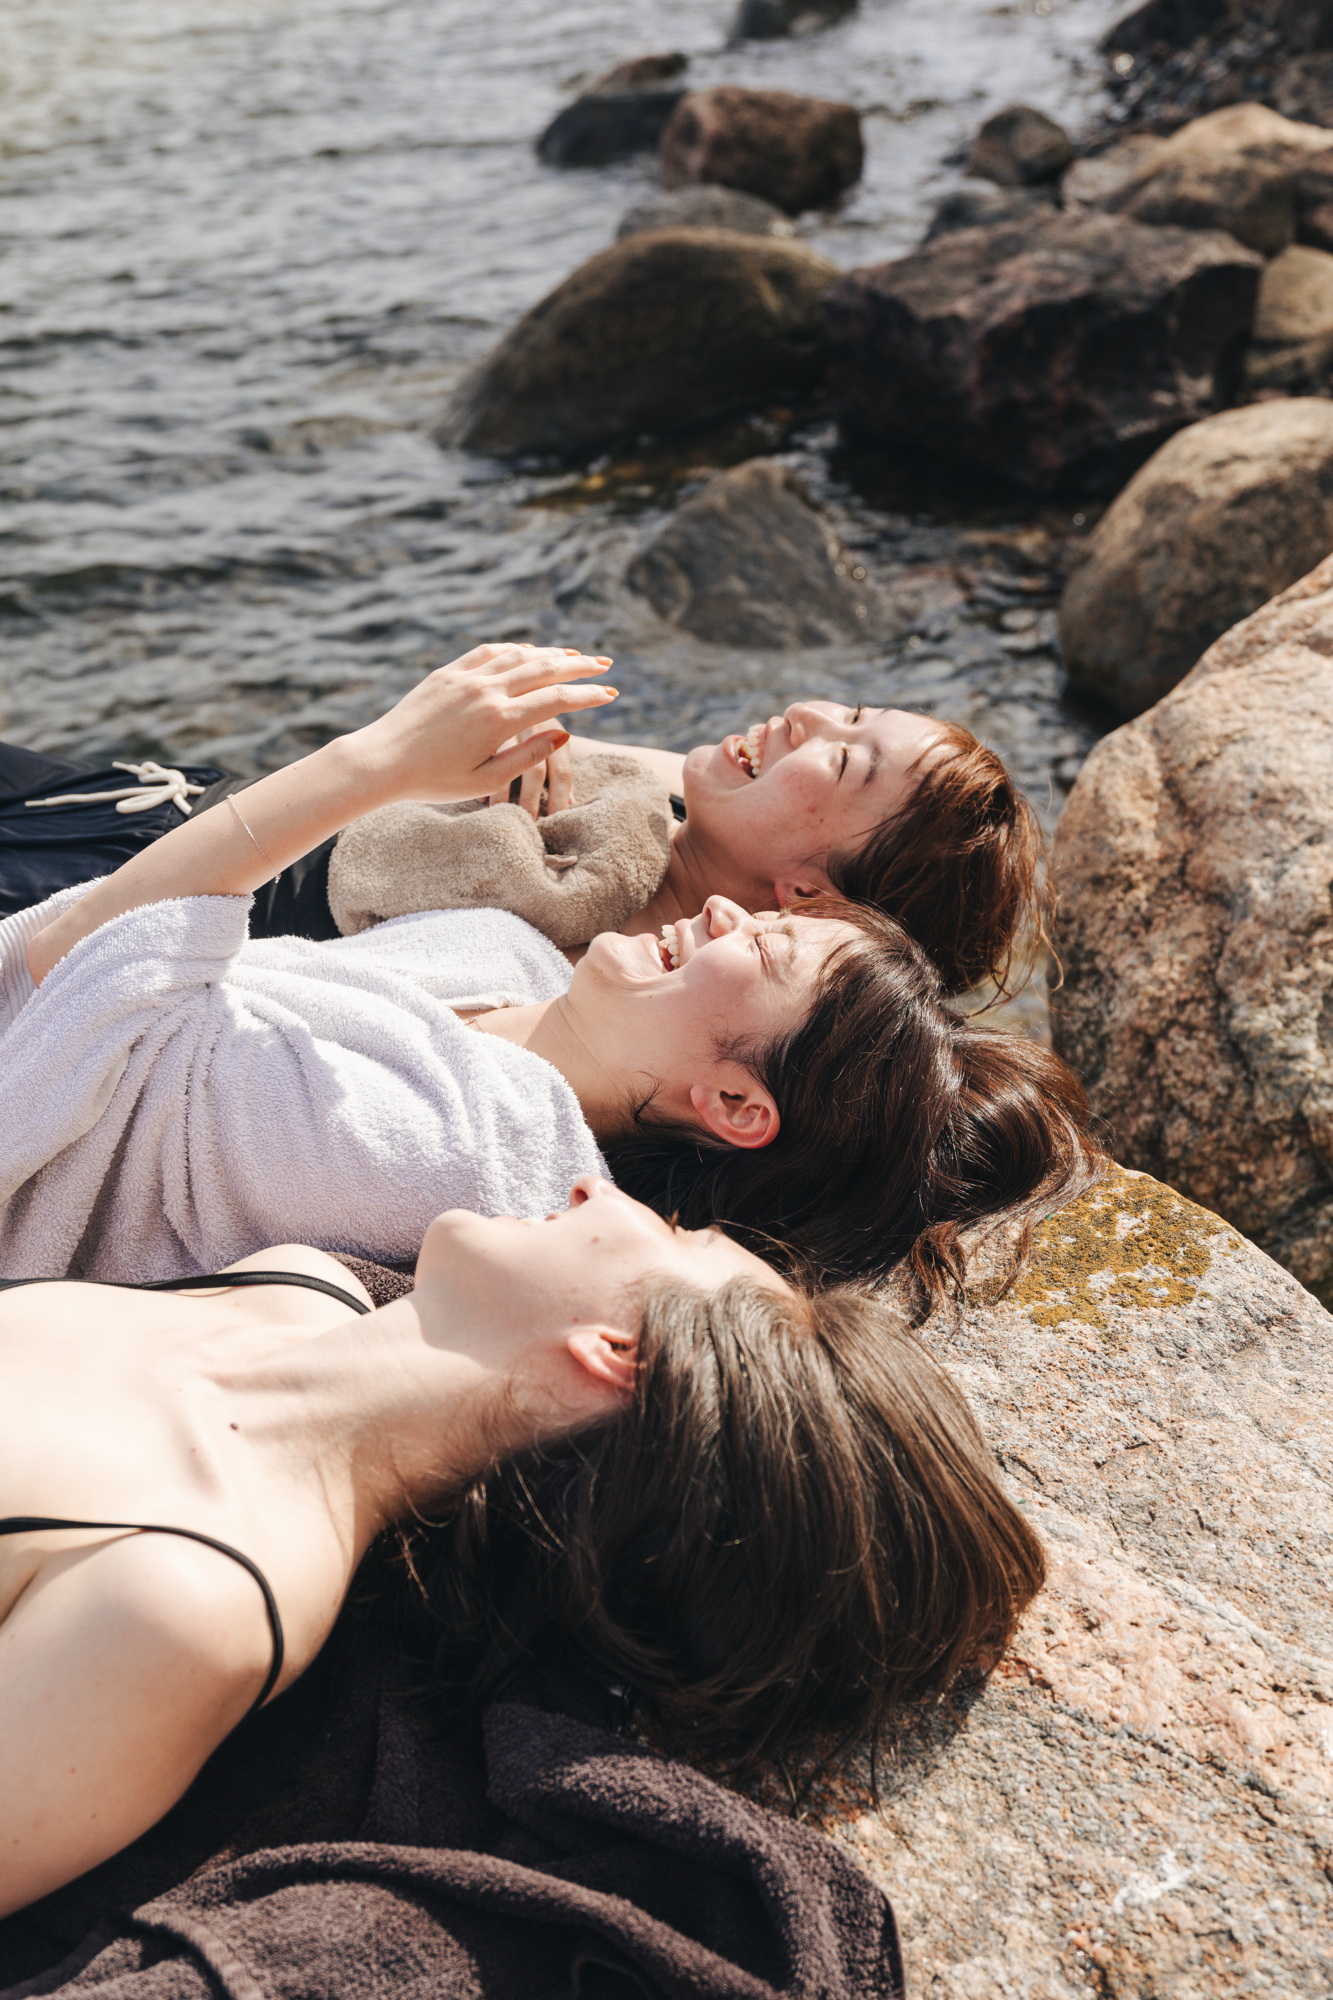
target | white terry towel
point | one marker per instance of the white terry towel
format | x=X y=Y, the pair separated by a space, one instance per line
x=176 y=1096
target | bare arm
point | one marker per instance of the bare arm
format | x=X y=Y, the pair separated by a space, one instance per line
x=440 y=743
x=122 y=1667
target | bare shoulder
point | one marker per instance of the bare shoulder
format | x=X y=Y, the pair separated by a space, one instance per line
x=122 y=1667
x=667 y=766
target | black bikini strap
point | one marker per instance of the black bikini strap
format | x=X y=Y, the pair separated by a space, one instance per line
x=221 y=1278
x=23 y=1524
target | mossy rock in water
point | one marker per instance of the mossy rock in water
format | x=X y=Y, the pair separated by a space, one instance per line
x=1118 y=1807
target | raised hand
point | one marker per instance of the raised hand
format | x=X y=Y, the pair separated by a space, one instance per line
x=443 y=739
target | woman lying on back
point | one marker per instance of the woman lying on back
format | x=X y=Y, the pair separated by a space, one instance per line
x=178 y=1095
x=904 y=813
x=766 y=1514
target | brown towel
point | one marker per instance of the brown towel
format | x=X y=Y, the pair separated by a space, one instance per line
x=571 y=875
x=342 y=1844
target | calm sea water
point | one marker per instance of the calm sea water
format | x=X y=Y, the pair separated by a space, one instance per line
x=247 y=247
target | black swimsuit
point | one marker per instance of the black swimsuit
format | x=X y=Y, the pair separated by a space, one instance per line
x=23 y=1524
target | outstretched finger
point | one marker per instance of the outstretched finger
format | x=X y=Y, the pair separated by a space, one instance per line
x=544 y=703
x=544 y=665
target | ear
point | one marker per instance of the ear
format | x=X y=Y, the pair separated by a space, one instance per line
x=746 y=1116
x=790 y=891
x=609 y=1356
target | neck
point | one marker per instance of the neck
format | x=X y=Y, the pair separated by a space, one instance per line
x=388 y=1415
x=549 y=1029
x=693 y=875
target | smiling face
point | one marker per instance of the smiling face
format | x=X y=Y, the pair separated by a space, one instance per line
x=661 y=1011
x=764 y=810
x=588 y=1264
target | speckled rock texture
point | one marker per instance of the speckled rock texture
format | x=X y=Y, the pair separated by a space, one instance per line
x=1193 y=863
x=1222 y=517
x=1139 y=1804
x=1233 y=169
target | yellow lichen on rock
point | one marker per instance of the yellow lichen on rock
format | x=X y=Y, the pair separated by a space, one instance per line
x=1128 y=1242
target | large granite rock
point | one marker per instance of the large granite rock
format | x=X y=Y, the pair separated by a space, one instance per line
x=660 y=332
x=1233 y=169
x=1313 y=193
x=976 y=205
x=1020 y=147
x=1058 y=351
x=1139 y=1804
x=750 y=562
x=1226 y=514
x=1293 y=321
x=619 y=114
x=1194 y=864
x=797 y=152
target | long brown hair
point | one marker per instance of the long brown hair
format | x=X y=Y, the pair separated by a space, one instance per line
x=794 y=1525
x=959 y=866
x=900 y=1123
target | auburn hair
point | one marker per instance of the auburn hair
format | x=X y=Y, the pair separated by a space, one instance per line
x=961 y=866
x=901 y=1123
x=794 y=1525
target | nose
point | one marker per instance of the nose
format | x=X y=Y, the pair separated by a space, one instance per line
x=722 y=916
x=589 y=1187
x=803 y=719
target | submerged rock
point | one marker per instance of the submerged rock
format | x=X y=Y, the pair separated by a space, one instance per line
x=1193 y=863
x=1020 y=147
x=770 y=20
x=705 y=208
x=1292 y=346
x=1226 y=514
x=1159 y=26
x=661 y=332
x=797 y=152
x=1058 y=352
x=619 y=114
x=1145 y=1777
x=750 y=562
x=1234 y=169
x=979 y=207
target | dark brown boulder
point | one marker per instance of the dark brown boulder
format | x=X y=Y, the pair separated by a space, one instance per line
x=620 y=113
x=1058 y=352
x=750 y=562
x=1168 y=24
x=660 y=332
x=797 y=152
x=1020 y=147
x=770 y=20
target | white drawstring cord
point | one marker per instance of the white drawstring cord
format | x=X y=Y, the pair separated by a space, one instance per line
x=167 y=788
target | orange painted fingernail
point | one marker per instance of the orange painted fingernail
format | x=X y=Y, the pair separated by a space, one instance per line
x=601 y=660
x=573 y=652
x=608 y=694
x=559 y=741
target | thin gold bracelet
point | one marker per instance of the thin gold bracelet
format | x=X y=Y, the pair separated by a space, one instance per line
x=236 y=809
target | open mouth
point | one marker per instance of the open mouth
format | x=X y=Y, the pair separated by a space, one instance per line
x=750 y=749
x=668 y=949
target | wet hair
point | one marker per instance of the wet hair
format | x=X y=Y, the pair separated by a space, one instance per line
x=900 y=1125
x=793 y=1525
x=959 y=866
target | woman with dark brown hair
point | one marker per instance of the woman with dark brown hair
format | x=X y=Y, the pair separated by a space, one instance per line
x=761 y=1513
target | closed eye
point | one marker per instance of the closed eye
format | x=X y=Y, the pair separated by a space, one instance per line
x=843 y=765
x=858 y=712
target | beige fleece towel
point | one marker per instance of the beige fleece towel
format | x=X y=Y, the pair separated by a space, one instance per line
x=579 y=872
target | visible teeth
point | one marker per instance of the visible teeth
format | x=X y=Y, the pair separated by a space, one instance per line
x=748 y=750
x=670 y=948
